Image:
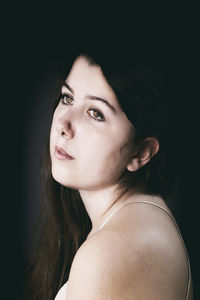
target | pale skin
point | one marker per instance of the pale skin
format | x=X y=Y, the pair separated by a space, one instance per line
x=130 y=257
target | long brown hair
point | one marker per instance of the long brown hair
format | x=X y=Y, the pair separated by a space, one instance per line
x=64 y=223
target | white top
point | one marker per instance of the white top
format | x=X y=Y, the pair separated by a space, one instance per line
x=63 y=291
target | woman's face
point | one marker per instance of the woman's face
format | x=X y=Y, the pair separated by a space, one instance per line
x=90 y=126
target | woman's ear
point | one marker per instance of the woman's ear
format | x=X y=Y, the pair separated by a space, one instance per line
x=147 y=149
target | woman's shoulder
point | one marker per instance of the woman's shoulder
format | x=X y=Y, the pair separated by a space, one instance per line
x=140 y=246
x=145 y=219
x=144 y=228
x=143 y=224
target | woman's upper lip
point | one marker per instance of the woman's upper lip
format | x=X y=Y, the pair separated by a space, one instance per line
x=63 y=151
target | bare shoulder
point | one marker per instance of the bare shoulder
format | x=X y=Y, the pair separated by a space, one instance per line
x=144 y=260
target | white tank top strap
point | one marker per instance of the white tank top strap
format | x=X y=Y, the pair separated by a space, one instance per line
x=173 y=219
x=61 y=295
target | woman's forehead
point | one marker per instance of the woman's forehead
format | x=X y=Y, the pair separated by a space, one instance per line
x=89 y=78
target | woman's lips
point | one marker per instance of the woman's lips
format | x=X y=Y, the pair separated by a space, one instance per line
x=61 y=154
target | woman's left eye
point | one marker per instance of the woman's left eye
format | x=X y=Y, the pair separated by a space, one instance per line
x=96 y=115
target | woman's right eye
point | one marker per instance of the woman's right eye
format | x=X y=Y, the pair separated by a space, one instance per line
x=66 y=99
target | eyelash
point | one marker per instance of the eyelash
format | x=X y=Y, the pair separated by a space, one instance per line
x=62 y=99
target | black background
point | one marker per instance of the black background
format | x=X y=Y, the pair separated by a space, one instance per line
x=32 y=48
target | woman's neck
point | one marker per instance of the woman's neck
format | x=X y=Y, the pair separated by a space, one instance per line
x=99 y=203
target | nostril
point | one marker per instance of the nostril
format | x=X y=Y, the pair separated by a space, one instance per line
x=64 y=128
x=66 y=132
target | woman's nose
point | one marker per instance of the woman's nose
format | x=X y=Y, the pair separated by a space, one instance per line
x=64 y=128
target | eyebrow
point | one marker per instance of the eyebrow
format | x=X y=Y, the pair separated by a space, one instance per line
x=93 y=98
x=68 y=87
x=104 y=101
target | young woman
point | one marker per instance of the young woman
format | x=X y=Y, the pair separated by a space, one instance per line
x=108 y=232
